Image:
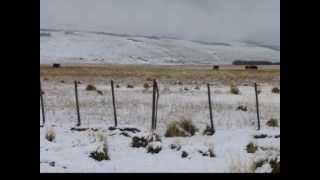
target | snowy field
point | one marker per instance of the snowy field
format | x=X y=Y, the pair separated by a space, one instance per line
x=235 y=129
x=95 y=48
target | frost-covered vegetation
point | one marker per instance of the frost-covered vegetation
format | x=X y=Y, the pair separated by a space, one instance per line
x=226 y=151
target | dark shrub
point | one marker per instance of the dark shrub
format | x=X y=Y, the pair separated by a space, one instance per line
x=276 y=90
x=56 y=65
x=234 y=89
x=184 y=154
x=91 y=88
x=242 y=108
x=251 y=67
x=139 y=142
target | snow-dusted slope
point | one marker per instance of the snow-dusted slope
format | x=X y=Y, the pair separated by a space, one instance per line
x=85 y=47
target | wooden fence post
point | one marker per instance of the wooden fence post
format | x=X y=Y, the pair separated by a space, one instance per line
x=155 y=97
x=42 y=106
x=77 y=102
x=114 y=105
x=257 y=105
x=210 y=108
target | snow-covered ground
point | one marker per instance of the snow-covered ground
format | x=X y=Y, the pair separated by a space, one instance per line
x=85 y=47
x=234 y=129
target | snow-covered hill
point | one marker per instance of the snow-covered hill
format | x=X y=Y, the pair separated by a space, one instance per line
x=89 y=47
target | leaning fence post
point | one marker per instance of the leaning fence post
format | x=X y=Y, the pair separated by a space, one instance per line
x=210 y=108
x=257 y=105
x=114 y=105
x=42 y=106
x=77 y=102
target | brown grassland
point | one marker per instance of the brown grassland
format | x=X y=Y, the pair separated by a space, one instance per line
x=166 y=73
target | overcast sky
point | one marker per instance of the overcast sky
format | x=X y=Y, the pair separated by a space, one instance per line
x=210 y=20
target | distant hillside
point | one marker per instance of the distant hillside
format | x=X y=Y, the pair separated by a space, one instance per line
x=67 y=46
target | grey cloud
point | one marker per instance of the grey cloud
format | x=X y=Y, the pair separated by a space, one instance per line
x=211 y=20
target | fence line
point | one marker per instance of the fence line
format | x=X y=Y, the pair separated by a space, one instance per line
x=155 y=99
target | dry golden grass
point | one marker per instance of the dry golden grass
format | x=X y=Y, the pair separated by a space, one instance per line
x=185 y=73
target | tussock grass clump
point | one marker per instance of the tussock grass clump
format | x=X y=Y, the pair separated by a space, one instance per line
x=50 y=135
x=146 y=86
x=234 y=90
x=91 y=87
x=252 y=148
x=102 y=151
x=272 y=123
x=181 y=128
x=154 y=147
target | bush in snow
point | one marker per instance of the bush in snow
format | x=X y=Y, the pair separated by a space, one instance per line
x=276 y=90
x=144 y=140
x=182 y=128
x=275 y=165
x=102 y=151
x=139 y=141
x=252 y=148
x=234 y=89
x=272 y=123
x=50 y=135
x=272 y=163
x=184 y=154
x=154 y=147
x=91 y=88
